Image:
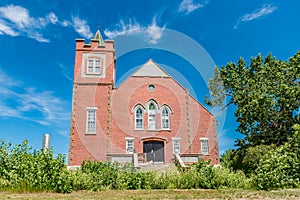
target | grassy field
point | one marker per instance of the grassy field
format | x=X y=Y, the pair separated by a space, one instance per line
x=159 y=194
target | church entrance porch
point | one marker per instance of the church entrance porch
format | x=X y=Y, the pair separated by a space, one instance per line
x=154 y=151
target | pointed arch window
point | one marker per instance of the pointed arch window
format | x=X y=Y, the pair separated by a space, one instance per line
x=165 y=118
x=152 y=116
x=139 y=118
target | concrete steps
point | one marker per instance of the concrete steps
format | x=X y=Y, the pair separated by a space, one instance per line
x=158 y=167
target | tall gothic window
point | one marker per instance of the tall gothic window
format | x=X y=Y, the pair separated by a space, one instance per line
x=139 y=121
x=165 y=118
x=151 y=117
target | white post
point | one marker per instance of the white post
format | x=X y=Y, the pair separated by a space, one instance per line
x=135 y=160
x=46 y=141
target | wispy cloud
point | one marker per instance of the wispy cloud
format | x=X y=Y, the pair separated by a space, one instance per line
x=19 y=101
x=7 y=30
x=65 y=72
x=132 y=27
x=81 y=27
x=256 y=14
x=16 y=20
x=188 y=6
x=152 y=33
x=16 y=14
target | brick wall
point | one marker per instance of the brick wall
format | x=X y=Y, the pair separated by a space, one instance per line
x=189 y=120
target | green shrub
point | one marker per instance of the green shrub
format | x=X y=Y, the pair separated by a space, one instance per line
x=203 y=175
x=24 y=170
x=280 y=168
x=107 y=175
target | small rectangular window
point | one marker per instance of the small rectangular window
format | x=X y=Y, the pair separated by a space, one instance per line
x=204 y=145
x=91 y=121
x=176 y=145
x=129 y=145
x=94 y=66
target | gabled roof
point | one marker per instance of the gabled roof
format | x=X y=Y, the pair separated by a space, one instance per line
x=150 y=69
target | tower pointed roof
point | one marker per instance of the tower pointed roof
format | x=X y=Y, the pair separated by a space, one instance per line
x=98 y=37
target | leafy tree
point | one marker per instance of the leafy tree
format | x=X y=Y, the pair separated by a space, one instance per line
x=266 y=94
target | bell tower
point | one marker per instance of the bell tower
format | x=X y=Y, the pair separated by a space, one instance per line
x=95 y=62
x=94 y=79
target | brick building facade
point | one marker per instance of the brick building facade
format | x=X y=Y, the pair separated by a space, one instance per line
x=149 y=113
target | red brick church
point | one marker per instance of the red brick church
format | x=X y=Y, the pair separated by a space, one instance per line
x=149 y=113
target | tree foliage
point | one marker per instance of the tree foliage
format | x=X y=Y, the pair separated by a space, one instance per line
x=280 y=167
x=266 y=94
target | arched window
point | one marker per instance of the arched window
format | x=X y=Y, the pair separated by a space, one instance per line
x=151 y=116
x=165 y=118
x=139 y=119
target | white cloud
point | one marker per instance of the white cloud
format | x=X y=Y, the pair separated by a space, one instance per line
x=152 y=33
x=16 y=20
x=22 y=102
x=256 y=14
x=7 y=30
x=52 y=18
x=16 y=14
x=9 y=82
x=81 y=27
x=188 y=6
x=125 y=29
x=37 y=36
x=66 y=23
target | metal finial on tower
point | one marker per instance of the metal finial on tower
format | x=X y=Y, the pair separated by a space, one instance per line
x=99 y=37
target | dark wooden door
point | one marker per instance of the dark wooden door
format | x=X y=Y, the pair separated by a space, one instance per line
x=154 y=151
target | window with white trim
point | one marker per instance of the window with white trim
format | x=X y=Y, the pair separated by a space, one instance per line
x=129 y=145
x=151 y=116
x=139 y=118
x=176 y=145
x=165 y=118
x=91 y=120
x=94 y=66
x=204 y=145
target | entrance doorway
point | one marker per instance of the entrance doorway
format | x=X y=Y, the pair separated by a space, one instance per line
x=154 y=151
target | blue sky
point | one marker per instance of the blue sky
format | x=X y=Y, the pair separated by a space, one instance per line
x=37 y=46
